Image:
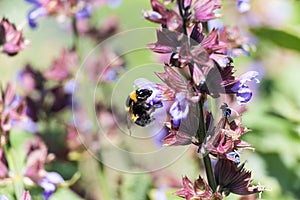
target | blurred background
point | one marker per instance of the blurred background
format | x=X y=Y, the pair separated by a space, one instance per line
x=273 y=115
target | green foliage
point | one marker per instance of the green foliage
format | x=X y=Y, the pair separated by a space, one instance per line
x=66 y=169
x=65 y=193
x=274 y=121
x=15 y=156
x=278 y=37
x=135 y=186
x=7 y=190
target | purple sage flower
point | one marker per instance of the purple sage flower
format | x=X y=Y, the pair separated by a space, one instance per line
x=237 y=42
x=26 y=124
x=197 y=190
x=243 y=5
x=234 y=155
x=85 y=11
x=179 y=109
x=166 y=17
x=62 y=66
x=12 y=109
x=11 y=39
x=243 y=92
x=49 y=183
x=205 y=9
x=185 y=132
x=155 y=100
x=36 y=12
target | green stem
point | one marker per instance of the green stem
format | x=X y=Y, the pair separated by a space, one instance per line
x=201 y=135
x=104 y=185
x=106 y=194
x=209 y=173
x=98 y=187
x=103 y=179
x=201 y=132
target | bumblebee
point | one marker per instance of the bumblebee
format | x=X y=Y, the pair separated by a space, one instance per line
x=139 y=111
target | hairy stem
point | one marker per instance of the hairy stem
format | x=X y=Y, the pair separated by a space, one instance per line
x=181 y=11
x=201 y=134
x=209 y=173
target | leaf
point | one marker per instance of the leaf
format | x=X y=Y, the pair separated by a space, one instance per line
x=136 y=186
x=16 y=158
x=289 y=180
x=8 y=191
x=278 y=37
x=66 y=169
x=65 y=193
x=18 y=138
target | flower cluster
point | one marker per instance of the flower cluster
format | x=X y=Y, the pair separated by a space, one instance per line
x=36 y=82
x=197 y=190
x=11 y=39
x=48 y=94
x=225 y=140
x=58 y=8
x=200 y=67
x=12 y=114
x=228 y=177
x=37 y=156
x=207 y=56
x=65 y=9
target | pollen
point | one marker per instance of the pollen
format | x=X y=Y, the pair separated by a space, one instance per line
x=134 y=117
x=133 y=96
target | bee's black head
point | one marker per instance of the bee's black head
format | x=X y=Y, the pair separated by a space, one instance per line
x=143 y=94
